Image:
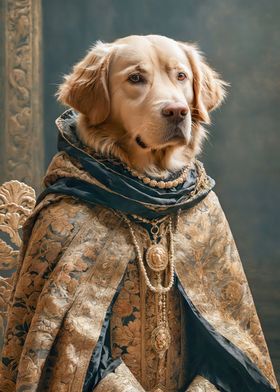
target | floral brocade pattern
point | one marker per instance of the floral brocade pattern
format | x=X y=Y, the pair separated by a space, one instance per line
x=125 y=322
x=52 y=307
x=150 y=323
x=53 y=232
x=216 y=282
x=200 y=384
x=72 y=262
x=135 y=316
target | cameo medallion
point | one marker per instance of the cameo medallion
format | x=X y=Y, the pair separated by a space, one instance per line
x=161 y=339
x=157 y=257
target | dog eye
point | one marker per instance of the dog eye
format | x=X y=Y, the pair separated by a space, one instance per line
x=181 y=76
x=136 y=78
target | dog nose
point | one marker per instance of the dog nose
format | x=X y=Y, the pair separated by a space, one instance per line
x=175 y=111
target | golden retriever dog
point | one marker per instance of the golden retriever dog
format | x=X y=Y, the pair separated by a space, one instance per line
x=122 y=286
x=142 y=99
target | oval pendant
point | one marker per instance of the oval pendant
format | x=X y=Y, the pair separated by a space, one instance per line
x=161 y=339
x=157 y=257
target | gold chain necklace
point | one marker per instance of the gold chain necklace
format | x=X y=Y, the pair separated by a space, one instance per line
x=157 y=258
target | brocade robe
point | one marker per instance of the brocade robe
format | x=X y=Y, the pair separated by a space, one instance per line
x=72 y=267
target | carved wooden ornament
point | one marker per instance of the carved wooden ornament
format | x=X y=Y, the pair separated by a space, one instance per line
x=17 y=201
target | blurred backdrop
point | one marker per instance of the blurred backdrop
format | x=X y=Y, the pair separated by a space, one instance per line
x=241 y=41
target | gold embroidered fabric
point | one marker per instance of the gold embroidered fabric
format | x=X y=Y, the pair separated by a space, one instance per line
x=126 y=322
x=120 y=381
x=132 y=323
x=72 y=262
x=66 y=281
x=200 y=384
x=216 y=282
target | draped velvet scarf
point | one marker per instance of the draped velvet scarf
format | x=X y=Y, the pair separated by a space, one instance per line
x=115 y=187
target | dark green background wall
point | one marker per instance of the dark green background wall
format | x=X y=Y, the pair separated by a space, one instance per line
x=241 y=39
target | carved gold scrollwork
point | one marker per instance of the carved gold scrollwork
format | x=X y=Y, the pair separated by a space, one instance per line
x=21 y=146
x=17 y=201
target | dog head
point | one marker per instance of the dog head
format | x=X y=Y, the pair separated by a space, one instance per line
x=143 y=98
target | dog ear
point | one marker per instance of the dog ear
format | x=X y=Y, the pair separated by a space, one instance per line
x=86 y=88
x=209 y=89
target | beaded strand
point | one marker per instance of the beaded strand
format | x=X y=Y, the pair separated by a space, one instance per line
x=159 y=288
x=160 y=184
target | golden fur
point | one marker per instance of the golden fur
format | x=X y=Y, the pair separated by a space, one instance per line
x=115 y=112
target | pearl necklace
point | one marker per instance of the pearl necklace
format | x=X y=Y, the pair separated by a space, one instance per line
x=160 y=184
